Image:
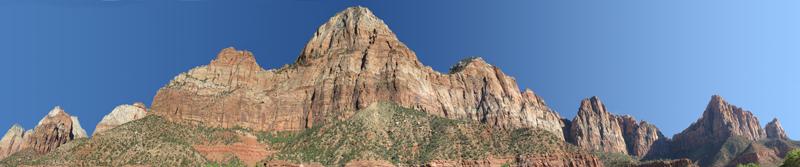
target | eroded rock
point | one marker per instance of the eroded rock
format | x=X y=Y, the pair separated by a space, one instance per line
x=120 y=115
x=352 y=61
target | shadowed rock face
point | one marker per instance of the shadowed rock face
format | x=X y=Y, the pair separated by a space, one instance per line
x=120 y=115
x=642 y=138
x=352 y=61
x=774 y=130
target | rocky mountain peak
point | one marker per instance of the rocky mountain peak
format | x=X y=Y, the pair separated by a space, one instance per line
x=120 y=115
x=356 y=29
x=351 y=62
x=12 y=141
x=55 y=129
x=774 y=130
x=230 y=57
x=595 y=129
x=720 y=120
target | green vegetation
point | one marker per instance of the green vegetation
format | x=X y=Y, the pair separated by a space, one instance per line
x=405 y=136
x=233 y=161
x=747 y=165
x=150 y=140
x=792 y=159
x=383 y=132
x=616 y=159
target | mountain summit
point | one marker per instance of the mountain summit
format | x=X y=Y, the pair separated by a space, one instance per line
x=351 y=62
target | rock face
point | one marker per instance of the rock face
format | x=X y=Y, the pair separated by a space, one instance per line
x=719 y=121
x=596 y=129
x=642 y=138
x=120 y=115
x=55 y=129
x=13 y=141
x=352 y=61
x=774 y=130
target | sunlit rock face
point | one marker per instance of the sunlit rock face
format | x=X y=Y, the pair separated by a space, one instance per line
x=120 y=115
x=719 y=121
x=352 y=61
x=774 y=130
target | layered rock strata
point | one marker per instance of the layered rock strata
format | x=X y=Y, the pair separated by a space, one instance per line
x=352 y=61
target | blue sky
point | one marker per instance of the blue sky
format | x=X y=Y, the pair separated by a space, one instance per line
x=659 y=61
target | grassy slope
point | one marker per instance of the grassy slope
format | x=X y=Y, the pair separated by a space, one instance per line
x=404 y=136
x=150 y=140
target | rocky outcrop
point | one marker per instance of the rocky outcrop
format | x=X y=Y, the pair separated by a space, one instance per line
x=774 y=130
x=13 y=141
x=55 y=129
x=120 y=115
x=642 y=138
x=596 y=129
x=670 y=163
x=352 y=61
x=719 y=121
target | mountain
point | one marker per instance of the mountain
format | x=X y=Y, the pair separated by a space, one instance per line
x=357 y=96
x=121 y=114
x=54 y=130
x=727 y=135
x=596 y=129
x=720 y=120
x=352 y=61
x=13 y=141
x=774 y=130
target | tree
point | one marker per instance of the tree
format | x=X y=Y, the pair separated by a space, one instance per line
x=747 y=165
x=792 y=159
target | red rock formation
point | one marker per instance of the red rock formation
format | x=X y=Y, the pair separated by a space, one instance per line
x=596 y=129
x=54 y=130
x=13 y=141
x=719 y=121
x=352 y=61
x=774 y=130
x=642 y=138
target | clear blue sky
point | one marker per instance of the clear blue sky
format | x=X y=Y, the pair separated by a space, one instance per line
x=659 y=61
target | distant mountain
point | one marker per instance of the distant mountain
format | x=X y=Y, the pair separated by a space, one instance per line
x=54 y=130
x=357 y=96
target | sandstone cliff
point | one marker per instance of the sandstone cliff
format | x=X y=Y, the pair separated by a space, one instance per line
x=55 y=129
x=774 y=130
x=719 y=121
x=13 y=141
x=642 y=138
x=352 y=61
x=596 y=129
x=120 y=115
